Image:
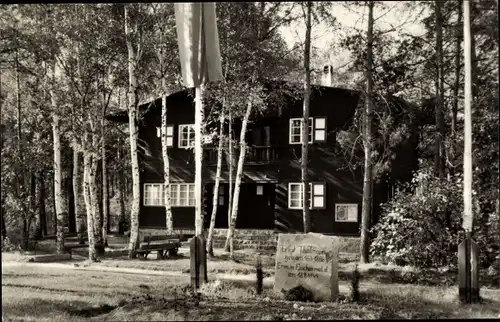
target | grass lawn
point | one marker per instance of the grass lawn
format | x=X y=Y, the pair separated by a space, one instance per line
x=41 y=292
x=32 y=292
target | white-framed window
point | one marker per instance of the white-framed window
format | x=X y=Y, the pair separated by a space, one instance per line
x=186 y=136
x=296 y=130
x=317 y=195
x=260 y=190
x=181 y=194
x=346 y=212
x=317 y=130
x=170 y=134
x=153 y=194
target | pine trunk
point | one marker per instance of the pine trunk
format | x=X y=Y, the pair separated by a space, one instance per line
x=456 y=88
x=166 y=166
x=239 y=174
x=468 y=219
x=215 y=199
x=367 y=180
x=121 y=201
x=88 y=204
x=41 y=206
x=439 y=163
x=34 y=207
x=133 y=102
x=305 y=124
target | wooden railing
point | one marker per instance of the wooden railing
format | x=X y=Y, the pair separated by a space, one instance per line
x=254 y=155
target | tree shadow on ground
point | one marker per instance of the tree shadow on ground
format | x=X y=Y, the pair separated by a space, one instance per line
x=423 y=277
x=45 y=307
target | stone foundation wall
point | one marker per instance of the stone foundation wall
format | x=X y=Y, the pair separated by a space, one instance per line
x=258 y=239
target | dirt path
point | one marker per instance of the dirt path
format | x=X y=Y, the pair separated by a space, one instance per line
x=123 y=270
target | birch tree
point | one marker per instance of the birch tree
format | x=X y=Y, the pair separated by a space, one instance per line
x=239 y=174
x=134 y=55
x=215 y=200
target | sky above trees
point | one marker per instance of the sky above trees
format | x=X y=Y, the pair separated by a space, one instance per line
x=325 y=38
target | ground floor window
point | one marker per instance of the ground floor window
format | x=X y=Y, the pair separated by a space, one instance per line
x=346 y=212
x=181 y=194
x=316 y=195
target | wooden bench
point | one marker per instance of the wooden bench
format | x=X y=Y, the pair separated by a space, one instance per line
x=163 y=244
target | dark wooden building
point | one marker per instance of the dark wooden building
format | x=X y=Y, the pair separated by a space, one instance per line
x=270 y=196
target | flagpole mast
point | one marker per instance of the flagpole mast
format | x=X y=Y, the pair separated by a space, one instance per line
x=468 y=214
x=198 y=160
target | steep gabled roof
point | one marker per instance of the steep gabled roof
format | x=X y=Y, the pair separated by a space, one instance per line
x=121 y=116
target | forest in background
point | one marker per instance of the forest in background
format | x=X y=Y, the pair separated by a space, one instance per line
x=64 y=66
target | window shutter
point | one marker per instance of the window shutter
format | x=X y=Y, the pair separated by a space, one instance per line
x=318 y=195
x=320 y=129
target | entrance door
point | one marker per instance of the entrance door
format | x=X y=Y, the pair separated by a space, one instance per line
x=256 y=206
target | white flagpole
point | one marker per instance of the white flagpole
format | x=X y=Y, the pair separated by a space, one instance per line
x=468 y=218
x=198 y=112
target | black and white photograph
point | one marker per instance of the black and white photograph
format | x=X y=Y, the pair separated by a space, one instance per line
x=227 y=161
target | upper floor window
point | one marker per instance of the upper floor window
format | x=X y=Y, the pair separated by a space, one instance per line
x=170 y=134
x=296 y=130
x=317 y=130
x=186 y=136
x=316 y=195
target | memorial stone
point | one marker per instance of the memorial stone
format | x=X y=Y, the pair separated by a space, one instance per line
x=309 y=260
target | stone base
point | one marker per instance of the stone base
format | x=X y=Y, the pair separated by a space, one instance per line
x=257 y=239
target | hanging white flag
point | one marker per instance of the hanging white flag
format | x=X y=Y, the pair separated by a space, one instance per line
x=198 y=41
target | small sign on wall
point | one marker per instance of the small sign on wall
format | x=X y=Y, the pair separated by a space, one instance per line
x=260 y=190
x=346 y=212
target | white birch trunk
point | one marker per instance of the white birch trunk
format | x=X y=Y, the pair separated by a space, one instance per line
x=230 y=200
x=239 y=174
x=88 y=204
x=105 y=196
x=215 y=199
x=57 y=175
x=76 y=183
x=133 y=132
x=166 y=167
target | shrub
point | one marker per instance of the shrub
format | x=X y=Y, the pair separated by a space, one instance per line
x=8 y=246
x=421 y=227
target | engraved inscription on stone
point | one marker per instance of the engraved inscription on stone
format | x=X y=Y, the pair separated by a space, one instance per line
x=309 y=260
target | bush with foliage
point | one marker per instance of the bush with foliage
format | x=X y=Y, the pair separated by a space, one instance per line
x=8 y=246
x=421 y=225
